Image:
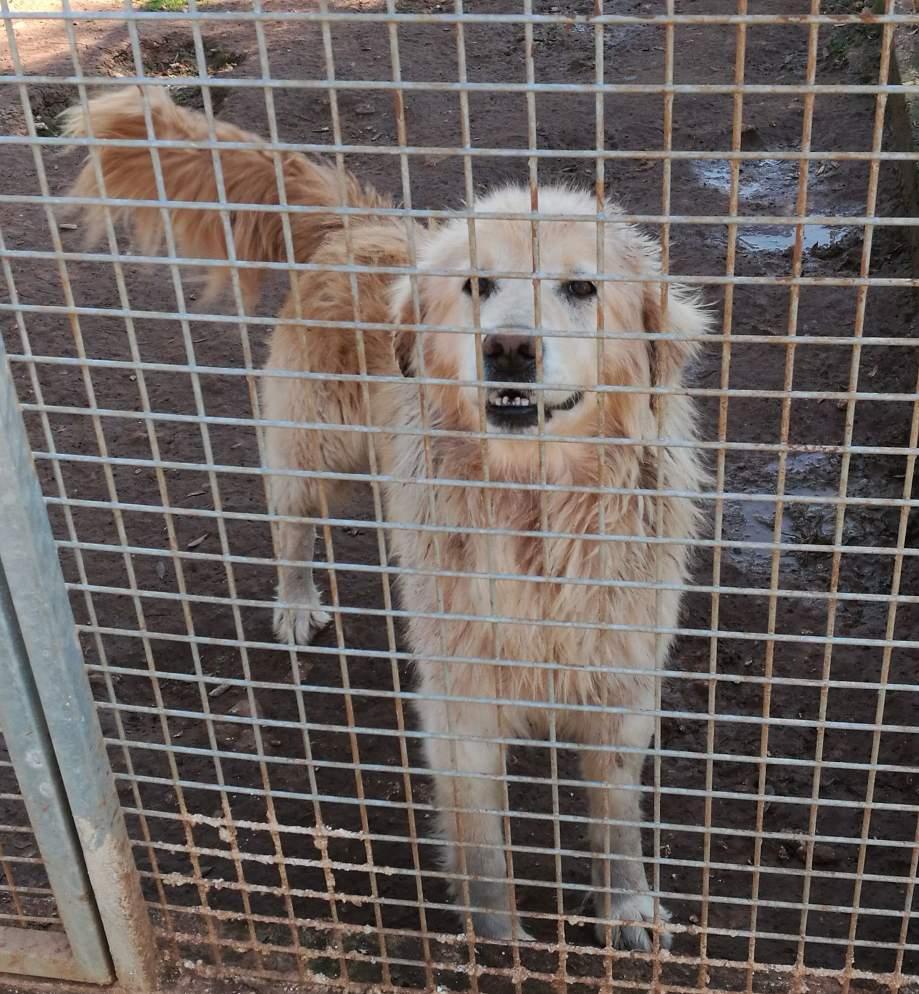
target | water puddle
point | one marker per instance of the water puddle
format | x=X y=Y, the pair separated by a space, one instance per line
x=776 y=179
x=780 y=239
x=770 y=186
x=807 y=474
x=752 y=521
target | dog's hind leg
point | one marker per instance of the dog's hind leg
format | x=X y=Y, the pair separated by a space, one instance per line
x=621 y=898
x=467 y=768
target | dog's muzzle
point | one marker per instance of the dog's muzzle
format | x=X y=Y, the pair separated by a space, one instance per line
x=511 y=357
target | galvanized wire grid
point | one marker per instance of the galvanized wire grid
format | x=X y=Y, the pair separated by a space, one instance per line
x=26 y=900
x=278 y=801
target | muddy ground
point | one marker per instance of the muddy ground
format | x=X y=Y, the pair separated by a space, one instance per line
x=806 y=678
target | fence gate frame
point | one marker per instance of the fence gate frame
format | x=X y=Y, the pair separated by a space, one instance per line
x=55 y=743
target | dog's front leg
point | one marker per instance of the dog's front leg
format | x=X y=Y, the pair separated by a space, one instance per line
x=621 y=896
x=467 y=768
x=299 y=614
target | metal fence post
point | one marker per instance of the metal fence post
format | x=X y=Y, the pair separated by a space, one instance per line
x=29 y=559
x=81 y=954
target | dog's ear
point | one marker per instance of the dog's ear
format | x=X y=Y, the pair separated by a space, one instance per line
x=402 y=308
x=680 y=314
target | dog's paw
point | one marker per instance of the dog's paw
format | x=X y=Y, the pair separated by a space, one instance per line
x=626 y=914
x=298 y=625
x=499 y=927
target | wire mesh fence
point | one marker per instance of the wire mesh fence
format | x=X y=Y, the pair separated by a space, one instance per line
x=279 y=794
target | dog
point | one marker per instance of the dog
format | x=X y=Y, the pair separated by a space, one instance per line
x=538 y=521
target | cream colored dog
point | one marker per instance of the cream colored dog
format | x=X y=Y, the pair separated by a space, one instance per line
x=575 y=574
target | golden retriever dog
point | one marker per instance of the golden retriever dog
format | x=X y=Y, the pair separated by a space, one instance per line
x=541 y=546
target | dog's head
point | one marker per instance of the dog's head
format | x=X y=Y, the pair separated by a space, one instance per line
x=545 y=337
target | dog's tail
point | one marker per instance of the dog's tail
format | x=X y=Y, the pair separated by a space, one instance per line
x=249 y=177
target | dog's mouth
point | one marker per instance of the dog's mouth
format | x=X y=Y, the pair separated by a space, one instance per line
x=511 y=408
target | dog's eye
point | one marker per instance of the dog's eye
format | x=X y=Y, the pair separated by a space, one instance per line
x=580 y=289
x=486 y=287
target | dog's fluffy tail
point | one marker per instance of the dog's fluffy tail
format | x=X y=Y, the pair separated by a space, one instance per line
x=249 y=177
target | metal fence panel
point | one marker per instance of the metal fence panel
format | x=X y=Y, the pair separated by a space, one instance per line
x=277 y=796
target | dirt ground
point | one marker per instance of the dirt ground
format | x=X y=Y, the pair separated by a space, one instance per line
x=806 y=677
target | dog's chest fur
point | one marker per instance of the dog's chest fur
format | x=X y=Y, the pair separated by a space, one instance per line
x=554 y=595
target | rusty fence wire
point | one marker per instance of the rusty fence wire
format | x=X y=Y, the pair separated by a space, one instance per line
x=277 y=796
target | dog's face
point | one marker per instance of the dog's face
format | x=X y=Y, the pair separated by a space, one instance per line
x=537 y=337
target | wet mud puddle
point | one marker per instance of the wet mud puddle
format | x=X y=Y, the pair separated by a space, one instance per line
x=769 y=187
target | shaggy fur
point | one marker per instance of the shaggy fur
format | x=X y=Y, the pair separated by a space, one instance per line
x=547 y=621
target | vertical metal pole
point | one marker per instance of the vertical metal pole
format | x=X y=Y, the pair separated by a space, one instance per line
x=28 y=557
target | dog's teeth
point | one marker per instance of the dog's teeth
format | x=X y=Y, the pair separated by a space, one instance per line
x=510 y=400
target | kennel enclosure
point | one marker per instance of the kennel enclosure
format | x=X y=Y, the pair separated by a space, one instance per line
x=264 y=811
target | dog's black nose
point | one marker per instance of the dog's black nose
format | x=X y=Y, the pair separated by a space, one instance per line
x=509 y=356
